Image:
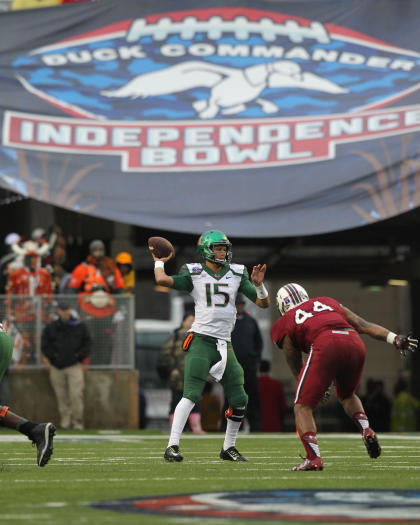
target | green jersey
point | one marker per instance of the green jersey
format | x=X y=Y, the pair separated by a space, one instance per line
x=214 y=295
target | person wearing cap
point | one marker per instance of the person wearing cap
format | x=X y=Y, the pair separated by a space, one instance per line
x=124 y=263
x=96 y=280
x=66 y=342
x=97 y=271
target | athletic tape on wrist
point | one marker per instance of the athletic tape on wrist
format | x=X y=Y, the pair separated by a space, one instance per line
x=261 y=291
x=390 y=338
x=159 y=264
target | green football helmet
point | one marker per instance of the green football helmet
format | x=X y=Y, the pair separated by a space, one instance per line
x=210 y=239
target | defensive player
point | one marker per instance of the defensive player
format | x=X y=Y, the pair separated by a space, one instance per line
x=40 y=434
x=329 y=333
x=214 y=284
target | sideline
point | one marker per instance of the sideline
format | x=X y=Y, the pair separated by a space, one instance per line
x=117 y=436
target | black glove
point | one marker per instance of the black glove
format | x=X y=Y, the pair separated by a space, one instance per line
x=405 y=343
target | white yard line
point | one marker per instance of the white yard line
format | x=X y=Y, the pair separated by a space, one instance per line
x=114 y=436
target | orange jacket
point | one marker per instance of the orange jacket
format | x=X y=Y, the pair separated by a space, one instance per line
x=87 y=276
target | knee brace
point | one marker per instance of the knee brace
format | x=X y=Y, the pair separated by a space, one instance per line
x=3 y=412
x=235 y=414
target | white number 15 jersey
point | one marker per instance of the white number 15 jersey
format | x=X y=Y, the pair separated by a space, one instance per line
x=214 y=296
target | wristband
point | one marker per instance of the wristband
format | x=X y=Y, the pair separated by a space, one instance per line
x=261 y=291
x=159 y=264
x=390 y=338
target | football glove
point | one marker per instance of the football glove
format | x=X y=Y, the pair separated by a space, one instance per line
x=405 y=343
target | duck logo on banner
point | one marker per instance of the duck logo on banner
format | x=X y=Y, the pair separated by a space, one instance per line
x=211 y=88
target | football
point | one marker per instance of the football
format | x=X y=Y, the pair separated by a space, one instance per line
x=160 y=247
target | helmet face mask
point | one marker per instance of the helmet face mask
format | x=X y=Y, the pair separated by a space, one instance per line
x=208 y=241
x=289 y=296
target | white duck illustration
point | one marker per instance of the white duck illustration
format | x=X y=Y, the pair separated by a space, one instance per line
x=230 y=88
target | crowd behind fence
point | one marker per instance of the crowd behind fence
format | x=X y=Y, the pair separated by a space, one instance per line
x=111 y=327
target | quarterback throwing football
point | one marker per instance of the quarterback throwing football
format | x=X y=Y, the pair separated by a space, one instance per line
x=329 y=333
x=213 y=283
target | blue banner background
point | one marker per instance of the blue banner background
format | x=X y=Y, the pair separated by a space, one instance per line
x=54 y=88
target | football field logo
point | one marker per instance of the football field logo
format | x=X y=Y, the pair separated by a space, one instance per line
x=216 y=89
x=340 y=506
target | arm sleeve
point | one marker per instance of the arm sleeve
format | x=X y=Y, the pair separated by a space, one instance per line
x=247 y=288
x=183 y=280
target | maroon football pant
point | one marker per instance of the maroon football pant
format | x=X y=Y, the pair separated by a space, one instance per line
x=336 y=355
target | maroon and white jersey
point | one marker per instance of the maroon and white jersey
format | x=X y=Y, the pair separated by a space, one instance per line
x=306 y=321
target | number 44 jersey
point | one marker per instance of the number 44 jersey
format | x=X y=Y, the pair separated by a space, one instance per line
x=306 y=321
x=214 y=295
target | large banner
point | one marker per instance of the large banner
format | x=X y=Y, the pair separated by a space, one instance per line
x=264 y=119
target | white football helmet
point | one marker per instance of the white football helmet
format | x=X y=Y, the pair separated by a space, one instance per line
x=289 y=296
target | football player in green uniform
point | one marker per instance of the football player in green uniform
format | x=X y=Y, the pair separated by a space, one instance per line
x=214 y=284
x=41 y=434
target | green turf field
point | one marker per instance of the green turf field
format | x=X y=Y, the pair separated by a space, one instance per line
x=95 y=466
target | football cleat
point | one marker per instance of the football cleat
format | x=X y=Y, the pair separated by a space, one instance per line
x=172 y=453
x=42 y=436
x=371 y=443
x=310 y=464
x=231 y=454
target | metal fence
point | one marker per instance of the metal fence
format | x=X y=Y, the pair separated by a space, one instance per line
x=109 y=319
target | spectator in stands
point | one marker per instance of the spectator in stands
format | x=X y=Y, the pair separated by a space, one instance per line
x=66 y=344
x=97 y=271
x=96 y=280
x=273 y=401
x=124 y=263
x=170 y=366
x=7 y=259
x=248 y=344
x=23 y=284
x=405 y=409
x=60 y=279
x=56 y=259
